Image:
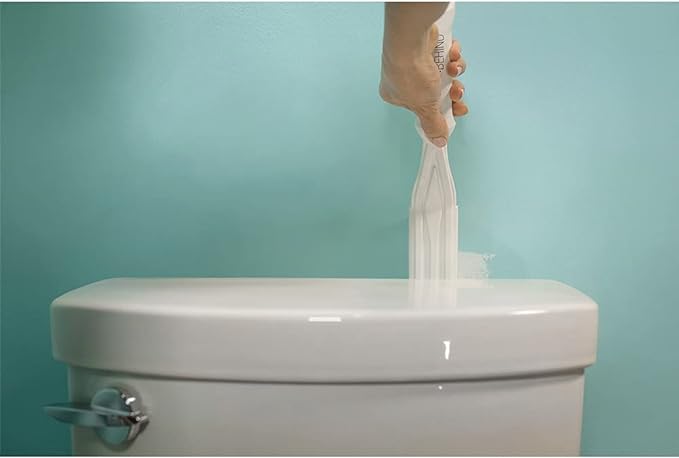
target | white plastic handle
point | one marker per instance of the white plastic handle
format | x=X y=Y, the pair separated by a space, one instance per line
x=433 y=208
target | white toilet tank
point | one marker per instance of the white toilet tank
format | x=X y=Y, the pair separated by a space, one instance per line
x=213 y=366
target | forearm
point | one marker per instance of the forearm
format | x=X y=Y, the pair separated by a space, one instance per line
x=406 y=30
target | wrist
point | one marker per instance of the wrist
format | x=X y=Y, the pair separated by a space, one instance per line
x=407 y=30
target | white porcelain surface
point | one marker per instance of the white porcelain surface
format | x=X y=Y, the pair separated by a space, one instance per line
x=325 y=330
x=531 y=416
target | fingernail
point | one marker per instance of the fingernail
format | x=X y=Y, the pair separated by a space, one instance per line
x=439 y=141
x=459 y=70
x=461 y=93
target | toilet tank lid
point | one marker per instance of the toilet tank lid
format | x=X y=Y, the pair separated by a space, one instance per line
x=325 y=330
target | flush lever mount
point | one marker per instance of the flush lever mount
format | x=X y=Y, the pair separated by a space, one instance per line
x=115 y=414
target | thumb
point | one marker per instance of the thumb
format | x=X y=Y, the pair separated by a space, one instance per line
x=434 y=125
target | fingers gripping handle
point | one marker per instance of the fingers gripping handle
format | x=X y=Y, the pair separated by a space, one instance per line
x=441 y=57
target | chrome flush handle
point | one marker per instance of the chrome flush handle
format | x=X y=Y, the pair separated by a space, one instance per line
x=116 y=415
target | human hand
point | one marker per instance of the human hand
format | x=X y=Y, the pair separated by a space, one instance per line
x=411 y=79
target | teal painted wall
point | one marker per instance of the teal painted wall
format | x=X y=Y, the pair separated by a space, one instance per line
x=233 y=139
x=0 y=228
